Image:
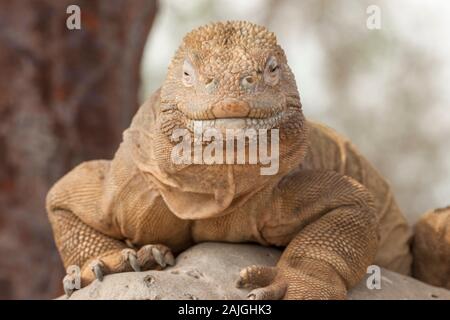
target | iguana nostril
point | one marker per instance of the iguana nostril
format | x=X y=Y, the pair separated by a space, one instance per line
x=248 y=82
x=231 y=108
x=210 y=85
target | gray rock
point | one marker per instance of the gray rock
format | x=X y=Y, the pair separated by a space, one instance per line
x=210 y=271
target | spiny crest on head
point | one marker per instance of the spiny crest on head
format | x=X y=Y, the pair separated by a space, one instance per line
x=229 y=34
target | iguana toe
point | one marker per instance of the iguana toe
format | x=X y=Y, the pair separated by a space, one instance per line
x=264 y=279
x=274 y=291
x=154 y=255
x=256 y=276
x=97 y=267
x=123 y=260
x=131 y=257
x=158 y=257
x=308 y=281
x=126 y=260
x=69 y=284
x=169 y=259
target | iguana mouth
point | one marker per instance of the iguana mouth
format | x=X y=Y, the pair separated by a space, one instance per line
x=233 y=113
x=238 y=122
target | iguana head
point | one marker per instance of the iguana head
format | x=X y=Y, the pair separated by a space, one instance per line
x=231 y=75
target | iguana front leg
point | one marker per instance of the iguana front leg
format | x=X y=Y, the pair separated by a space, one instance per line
x=91 y=237
x=330 y=254
x=98 y=254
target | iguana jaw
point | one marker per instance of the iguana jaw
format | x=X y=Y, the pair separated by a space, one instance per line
x=285 y=115
x=237 y=123
x=290 y=122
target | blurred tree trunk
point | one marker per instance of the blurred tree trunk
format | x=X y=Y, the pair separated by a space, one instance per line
x=65 y=97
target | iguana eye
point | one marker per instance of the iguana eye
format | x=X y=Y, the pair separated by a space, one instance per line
x=188 y=76
x=272 y=71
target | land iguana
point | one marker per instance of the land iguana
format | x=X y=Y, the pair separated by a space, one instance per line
x=327 y=206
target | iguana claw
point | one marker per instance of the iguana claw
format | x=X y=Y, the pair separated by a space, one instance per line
x=169 y=258
x=155 y=254
x=133 y=262
x=96 y=267
x=131 y=257
x=262 y=278
x=72 y=280
x=273 y=292
x=256 y=276
x=158 y=257
x=69 y=284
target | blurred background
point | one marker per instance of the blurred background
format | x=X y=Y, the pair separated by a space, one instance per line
x=66 y=96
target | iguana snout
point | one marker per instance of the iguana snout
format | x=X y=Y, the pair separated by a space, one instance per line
x=231 y=108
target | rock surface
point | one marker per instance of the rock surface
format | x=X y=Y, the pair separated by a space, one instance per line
x=210 y=271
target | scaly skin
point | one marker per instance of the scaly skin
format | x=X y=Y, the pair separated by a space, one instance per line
x=327 y=205
x=431 y=248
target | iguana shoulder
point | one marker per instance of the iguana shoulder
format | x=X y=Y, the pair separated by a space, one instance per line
x=329 y=150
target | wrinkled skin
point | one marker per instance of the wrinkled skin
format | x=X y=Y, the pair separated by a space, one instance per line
x=331 y=211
